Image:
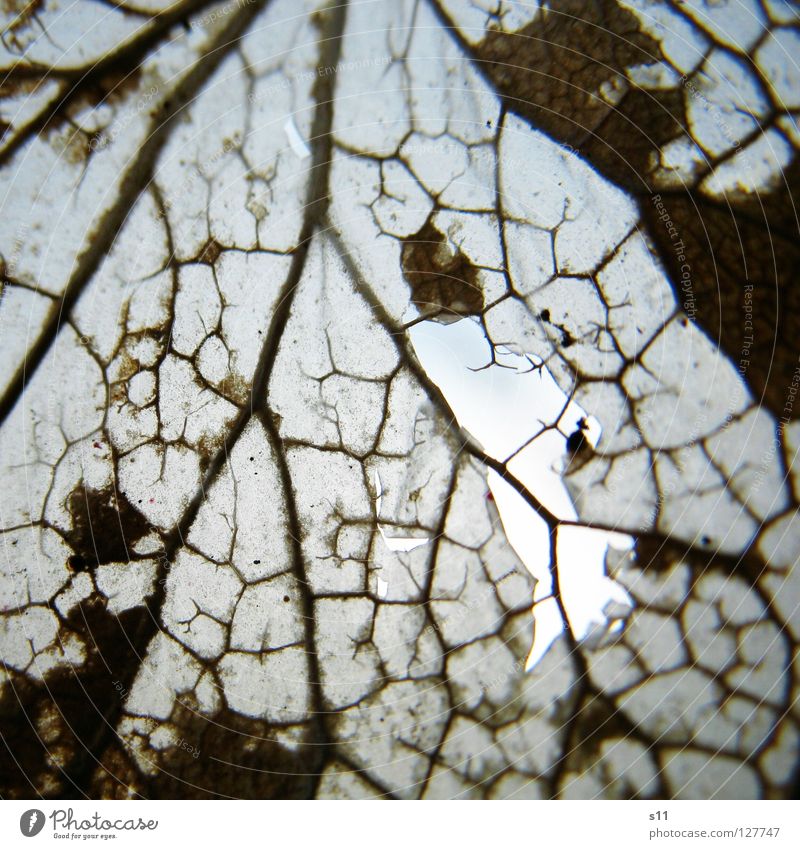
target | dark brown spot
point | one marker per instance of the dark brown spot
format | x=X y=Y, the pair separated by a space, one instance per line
x=441 y=277
x=210 y=252
x=105 y=526
x=76 y=563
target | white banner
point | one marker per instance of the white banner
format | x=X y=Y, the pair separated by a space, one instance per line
x=334 y=825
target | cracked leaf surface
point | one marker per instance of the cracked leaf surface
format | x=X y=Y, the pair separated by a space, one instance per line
x=257 y=543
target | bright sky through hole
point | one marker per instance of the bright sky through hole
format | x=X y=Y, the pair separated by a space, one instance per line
x=503 y=406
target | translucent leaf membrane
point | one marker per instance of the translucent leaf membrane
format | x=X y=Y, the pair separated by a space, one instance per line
x=260 y=541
